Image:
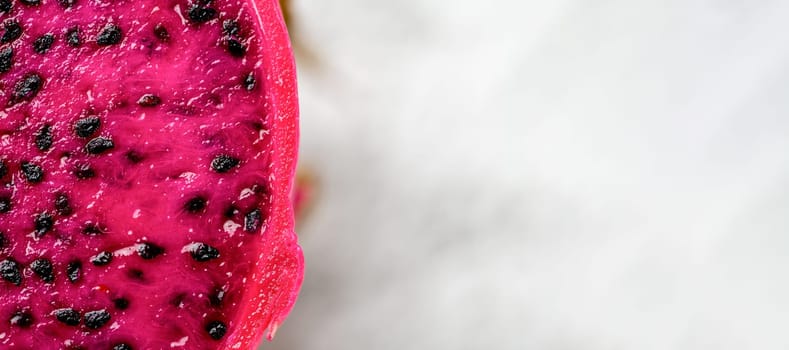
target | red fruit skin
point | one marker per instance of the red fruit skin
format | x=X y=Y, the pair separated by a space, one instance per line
x=274 y=286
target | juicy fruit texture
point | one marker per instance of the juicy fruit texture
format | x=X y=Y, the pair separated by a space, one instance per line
x=147 y=150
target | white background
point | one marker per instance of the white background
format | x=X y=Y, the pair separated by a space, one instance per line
x=558 y=175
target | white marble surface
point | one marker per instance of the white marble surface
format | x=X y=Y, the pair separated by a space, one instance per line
x=566 y=174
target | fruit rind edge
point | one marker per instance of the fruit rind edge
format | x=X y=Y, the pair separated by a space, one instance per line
x=282 y=263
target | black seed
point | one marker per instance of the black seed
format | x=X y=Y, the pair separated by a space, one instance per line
x=161 y=32
x=259 y=189
x=216 y=297
x=204 y=252
x=22 y=319
x=231 y=212
x=3 y=168
x=43 y=268
x=44 y=138
x=87 y=126
x=224 y=163
x=195 y=205
x=96 y=319
x=32 y=172
x=236 y=48
x=43 y=223
x=201 y=14
x=92 y=229
x=230 y=27
x=252 y=221
x=135 y=274
x=178 y=300
x=67 y=3
x=3 y=240
x=102 y=258
x=149 y=100
x=6 y=6
x=5 y=205
x=31 y=2
x=10 y=271
x=67 y=316
x=216 y=329
x=84 y=171
x=149 y=251
x=27 y=88
x=73 y=37
x=12 y=31
x=74 y=271
x=215 y=99
x=110 y=35
x=121 y=303
x=43 y=43
x=62 y=205
x=122 y=346
x=99 y=145
x=249 y=82
x=6 y=59
x=134 y=157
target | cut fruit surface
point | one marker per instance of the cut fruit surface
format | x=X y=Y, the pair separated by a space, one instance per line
x=147 y=154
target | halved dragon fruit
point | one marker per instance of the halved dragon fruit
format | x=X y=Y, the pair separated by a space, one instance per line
x=147 y=153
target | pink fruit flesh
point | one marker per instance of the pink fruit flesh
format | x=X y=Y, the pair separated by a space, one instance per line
x=200 y=157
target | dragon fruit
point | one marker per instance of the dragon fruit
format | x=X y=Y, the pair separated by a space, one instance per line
x=147 y=154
